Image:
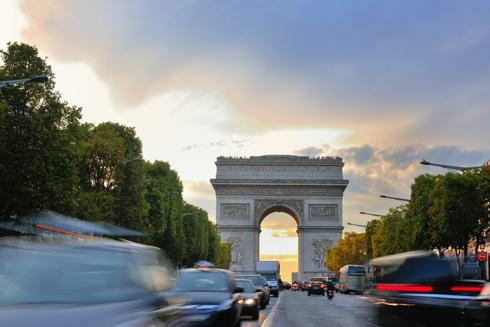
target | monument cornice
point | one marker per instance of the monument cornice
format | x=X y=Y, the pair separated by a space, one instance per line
x=317 y=229
x=279 y=182
x=281 y=160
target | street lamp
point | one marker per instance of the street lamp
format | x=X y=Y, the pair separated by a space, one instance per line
x=459 y=168
x=371 y=214
x=394 y=198
x=358 y=225
x=34 y=79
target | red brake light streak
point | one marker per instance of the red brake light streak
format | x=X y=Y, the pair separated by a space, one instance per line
x=467 y=288
x=404 y=288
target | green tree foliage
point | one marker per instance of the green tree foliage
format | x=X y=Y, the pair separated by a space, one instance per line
x=351 y=249
x=38 y=159
x=196 y=233
x=223 y=259
x=214 y=241
x=370 y=232
x=111 y=176
x=457 y=208
x=418 y=221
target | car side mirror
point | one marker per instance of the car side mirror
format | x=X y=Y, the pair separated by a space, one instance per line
x=238 y=290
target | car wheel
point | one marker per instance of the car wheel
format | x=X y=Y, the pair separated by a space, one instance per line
x=255 y=316
x=309 y=293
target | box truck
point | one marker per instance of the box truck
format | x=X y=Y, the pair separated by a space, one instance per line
x=271 y=271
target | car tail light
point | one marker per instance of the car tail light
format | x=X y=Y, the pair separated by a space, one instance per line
x=404 y=288
x=467 y=288
x=309 y=286
x=322 y=286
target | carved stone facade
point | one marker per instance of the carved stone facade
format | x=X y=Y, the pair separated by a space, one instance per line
x=235 y=211
x=308 y=189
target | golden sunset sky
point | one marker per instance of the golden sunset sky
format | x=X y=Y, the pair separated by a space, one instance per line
x=204 y=79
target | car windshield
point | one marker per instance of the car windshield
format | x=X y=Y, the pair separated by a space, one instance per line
x=356 y=270
x=202 y=281
x=256 y=280
x=271 y=277
x=246 y=285
x=74 y=274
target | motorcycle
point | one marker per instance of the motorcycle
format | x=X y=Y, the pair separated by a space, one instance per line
x=295 y=287
x=330 y=293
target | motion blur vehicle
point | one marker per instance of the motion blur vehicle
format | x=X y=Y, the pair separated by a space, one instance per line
x=271 y=271
x=295 y=287
x=316 y=287
x=352 y=278
x=304 y=285
x=211 y=295
x=63 y=281
x=249 y=299
x=261 y=287
x=421 y=287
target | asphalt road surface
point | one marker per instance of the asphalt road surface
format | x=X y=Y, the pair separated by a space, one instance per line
x=296 y=309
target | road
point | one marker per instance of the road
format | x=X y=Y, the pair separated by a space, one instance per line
x=296 y=309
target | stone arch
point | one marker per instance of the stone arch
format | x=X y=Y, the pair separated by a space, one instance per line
x=294 y=208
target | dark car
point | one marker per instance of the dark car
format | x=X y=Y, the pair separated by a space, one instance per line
x=261 y=287
x=421 y=287
x=316 y=287
x=96 y=282
x=304 y=285
x=211 y=296
x=249 y=299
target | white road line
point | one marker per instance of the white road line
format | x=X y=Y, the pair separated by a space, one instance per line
x=270 y=317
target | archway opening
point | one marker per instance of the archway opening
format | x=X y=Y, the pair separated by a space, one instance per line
x=279 y=241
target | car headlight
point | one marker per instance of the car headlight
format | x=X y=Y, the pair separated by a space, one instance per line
x=249 y=301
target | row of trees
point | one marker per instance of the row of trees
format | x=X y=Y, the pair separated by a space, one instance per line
x=445 y=212
x=49 y=159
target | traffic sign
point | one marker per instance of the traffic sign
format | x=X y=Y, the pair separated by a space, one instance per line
x=482 y=256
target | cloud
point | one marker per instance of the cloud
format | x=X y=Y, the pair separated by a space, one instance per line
x=383 y=67
x=310 y=151
x=285 y=233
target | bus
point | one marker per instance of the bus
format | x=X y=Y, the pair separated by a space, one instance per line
x=352 y=278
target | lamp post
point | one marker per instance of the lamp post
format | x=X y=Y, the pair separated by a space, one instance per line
x=358 y=225
x=394 y=198
x=458 y=168
x=371 y=214
x=34 y=79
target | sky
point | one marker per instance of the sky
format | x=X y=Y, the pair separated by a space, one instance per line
x=382 y=84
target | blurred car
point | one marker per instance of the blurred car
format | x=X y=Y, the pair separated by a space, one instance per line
x=261 y=287
x=421 y=287
x=316 y=287
x=249 y=299
x=304 y=285
x=286 y=285
x=94 y=282
x=211 y=296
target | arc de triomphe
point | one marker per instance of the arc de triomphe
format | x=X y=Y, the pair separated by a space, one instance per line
x=308 y=189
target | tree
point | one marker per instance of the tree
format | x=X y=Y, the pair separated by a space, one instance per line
x=370 y=232
x=457 y=207
x=38 y=138
x=196 y=234
x=223 y=260
x=214 y=241
x=419 y=223
x=388 y=235
x=351 y=249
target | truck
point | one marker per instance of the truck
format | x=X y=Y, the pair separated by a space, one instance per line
x=271 y=271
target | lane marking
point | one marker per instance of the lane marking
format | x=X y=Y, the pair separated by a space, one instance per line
x=272 y=313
